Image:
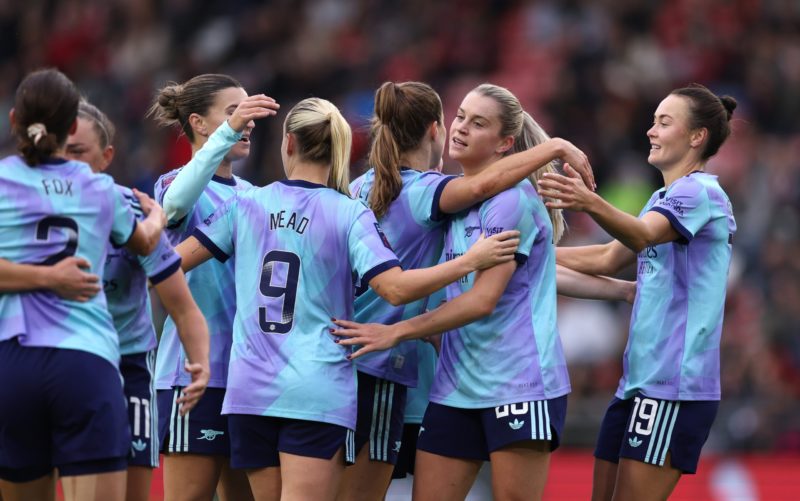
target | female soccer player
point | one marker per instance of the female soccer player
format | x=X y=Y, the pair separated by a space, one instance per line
x=412 y=204
x=125 y=285
x=291 y=395
x=500 y=387
x=66 y=410
x=668 y=396
x=217 y=116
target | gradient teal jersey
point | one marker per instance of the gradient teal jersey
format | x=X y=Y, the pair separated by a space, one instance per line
x=299 y=247
x=514 y=354
x=417 y=397
x=414 y=226
x=125 y=284
x=47 y=213
x=676 y=324
x=212 y=289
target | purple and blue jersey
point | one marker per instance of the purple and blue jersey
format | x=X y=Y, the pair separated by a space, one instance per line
x=414 y=226
x=299 y=249
x=673 y=344
x=47 y=213
x=125 y=285
x=514 y=354
x=212 y=288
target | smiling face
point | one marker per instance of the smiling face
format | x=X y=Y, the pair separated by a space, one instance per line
x=85 y=145
x=475 y=137
x=225 y=102
x=671 y=140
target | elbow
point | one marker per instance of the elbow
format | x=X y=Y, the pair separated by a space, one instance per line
x=395 y=298
x=483 y=306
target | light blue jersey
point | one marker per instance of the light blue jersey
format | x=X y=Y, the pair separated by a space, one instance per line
x=298 y=248
x=212 y=288
x=418 y=397
x=415 y=228
x=47 y=213
x=125 y=284
x=514 y=354
x=673 y=344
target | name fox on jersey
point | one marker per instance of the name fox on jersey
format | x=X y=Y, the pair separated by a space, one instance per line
x=294 y=222
x=57 y=187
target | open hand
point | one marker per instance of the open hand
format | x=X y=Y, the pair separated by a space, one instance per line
x=565 y=192
x=252 y=108
x=571 y=155
x=371 y=337
x=497 y=249
x=151 y=206
x=69 y=281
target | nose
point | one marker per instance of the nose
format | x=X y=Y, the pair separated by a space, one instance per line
x=251 y=124
x=651 y=132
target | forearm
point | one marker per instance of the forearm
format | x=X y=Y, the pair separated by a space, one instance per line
x=410 y=285
x=583 y=286
x=586 y=259
x=193 y=333
x=147 y=234
x=193 y=178
x=461 y=311
x=193 y=253
x=16 y=277
x=464 y=192
x=631 y=231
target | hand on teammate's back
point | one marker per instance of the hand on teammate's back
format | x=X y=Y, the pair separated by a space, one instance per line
x=494 y=250
x=69 y=281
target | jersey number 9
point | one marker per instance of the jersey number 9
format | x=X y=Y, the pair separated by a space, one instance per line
x=279 y=264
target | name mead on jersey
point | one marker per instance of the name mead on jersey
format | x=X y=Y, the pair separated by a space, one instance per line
x=293 y=222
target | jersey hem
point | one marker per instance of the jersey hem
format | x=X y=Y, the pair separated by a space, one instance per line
x=289 y=414
x=483 y=404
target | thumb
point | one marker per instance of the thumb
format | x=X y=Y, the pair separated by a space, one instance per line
x=81 y=262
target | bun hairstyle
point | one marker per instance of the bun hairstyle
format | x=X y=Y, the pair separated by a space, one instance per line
x=707 y=111
x=176 y=102
x=322 y=135
x=403 y=113
x=102 y=125
x=527 y=133
x=45 y=108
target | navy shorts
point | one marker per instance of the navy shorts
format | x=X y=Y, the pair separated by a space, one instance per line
x=381 y=408
x=406 y=458
x=475 y=433
x=203 y=430
x=646 y=429
x=256 y=441
x=137 y=375
x=65 y=410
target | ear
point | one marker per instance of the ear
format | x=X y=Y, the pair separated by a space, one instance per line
x=108 y=156
x=697 y=137
x=433 y=131
x=198 y=124
x=290 y=146
x=505 y=144
x=12 y=118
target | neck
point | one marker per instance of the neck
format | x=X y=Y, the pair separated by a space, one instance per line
x=225 y=168
x=418 y=159
x=475 y=168
x=308 y=171
x=677 y=171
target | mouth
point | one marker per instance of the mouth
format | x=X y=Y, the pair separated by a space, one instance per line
x=245 y=139
x=654 y=147
x=458 y=142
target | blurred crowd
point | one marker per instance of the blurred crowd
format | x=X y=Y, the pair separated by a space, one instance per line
x=591 y=71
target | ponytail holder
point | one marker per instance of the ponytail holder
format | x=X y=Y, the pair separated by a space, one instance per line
x=329 y=116
x=36 y=131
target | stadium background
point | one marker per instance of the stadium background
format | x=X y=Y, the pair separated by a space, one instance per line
x=591 y=71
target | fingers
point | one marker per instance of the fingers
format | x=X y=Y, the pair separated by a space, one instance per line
x=81 y=263
x=506 y=235
x=345 y=323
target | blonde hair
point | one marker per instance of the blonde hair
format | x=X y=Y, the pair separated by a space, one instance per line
x=527 y=133
x=324 y=136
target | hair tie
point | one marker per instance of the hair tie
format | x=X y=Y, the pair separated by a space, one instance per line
x=36 y=131
x=329 y=116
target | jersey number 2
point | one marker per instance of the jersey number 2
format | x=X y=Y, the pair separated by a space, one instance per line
x=69 y=226
x=287 y=291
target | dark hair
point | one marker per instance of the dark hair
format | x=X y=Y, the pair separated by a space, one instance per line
x=322 y=136
x=175 y=102
x=102 y=125
x=403 y=113
x=48 y=99
x=708 y=111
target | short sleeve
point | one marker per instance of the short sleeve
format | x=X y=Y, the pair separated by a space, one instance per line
x=216 y=231
x=424 y=193
x=368 y=248
x=686 y=205
x=509 y=210
x=162 y=262
x=124 y=218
